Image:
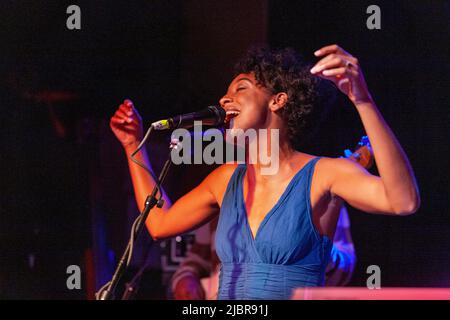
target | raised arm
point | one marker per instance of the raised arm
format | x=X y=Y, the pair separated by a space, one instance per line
x=195 y=208
x=395 y=191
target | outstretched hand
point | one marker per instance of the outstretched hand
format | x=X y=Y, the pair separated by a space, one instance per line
x=344 y=71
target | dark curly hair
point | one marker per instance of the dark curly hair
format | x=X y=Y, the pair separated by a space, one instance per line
x=283 y=70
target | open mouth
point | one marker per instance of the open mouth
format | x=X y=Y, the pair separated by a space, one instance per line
x=230 y=114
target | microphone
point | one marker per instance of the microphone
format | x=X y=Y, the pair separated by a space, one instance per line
x=211 y=116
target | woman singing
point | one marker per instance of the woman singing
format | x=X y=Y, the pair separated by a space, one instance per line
x=274 y=231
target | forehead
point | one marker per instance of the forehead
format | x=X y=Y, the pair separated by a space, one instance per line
x=250 y=77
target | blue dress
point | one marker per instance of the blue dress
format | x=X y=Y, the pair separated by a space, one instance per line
x=287 y=251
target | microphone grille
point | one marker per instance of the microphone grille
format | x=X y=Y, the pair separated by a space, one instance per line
x=220 y=114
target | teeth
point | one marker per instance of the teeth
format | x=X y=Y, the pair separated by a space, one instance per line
x=230 y=114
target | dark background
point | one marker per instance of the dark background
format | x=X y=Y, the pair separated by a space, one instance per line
x=66 y=197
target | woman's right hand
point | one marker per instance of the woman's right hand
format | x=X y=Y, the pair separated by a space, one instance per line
x=126 y=123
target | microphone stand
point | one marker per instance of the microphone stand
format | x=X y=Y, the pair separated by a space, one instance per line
x=132 y=287
x=150 y=202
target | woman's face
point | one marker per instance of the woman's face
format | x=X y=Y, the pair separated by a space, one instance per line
x=246 y=103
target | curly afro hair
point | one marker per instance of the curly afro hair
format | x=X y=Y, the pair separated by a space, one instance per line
x=284 y=71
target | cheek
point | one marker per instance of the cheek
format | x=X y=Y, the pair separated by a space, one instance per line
x=255 y=113
x=254 y=117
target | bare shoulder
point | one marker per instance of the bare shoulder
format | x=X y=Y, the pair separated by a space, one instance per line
x=332 y=169
x=339 y=165
x=225 y=171
x=217 y=180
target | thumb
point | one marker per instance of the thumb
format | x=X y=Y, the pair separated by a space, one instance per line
x=344 y=85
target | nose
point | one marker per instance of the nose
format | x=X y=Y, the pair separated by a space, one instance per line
x=225 y=99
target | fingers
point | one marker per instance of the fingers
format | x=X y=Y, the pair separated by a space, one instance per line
x=123 y=113
x=334 y=56
x=124 y=128
x=343 y=69
x=128 y=103
x=337 y=64
x=128 y=107
x=126 y=114
x=132 y=111
x=328 y=62
x=334 y=48
x=123 y=116
x=335 y=72
x=116 y=120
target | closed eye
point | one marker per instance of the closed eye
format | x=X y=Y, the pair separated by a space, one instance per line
x=240 y=88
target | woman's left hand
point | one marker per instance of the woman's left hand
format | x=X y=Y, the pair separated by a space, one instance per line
x=344 y=71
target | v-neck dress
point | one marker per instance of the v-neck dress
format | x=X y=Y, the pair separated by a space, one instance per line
x=287 y=251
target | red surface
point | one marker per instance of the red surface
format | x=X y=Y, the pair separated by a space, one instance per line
x=334 y=293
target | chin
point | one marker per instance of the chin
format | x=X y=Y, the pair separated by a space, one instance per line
x=232 y=130
x=239 y=133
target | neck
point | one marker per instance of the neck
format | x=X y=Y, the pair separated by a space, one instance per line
x=269 y=154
